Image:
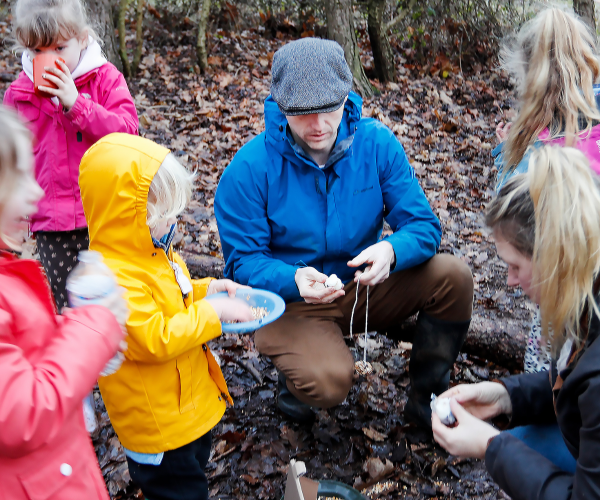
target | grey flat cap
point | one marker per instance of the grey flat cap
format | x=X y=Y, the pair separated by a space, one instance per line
x=310 y=76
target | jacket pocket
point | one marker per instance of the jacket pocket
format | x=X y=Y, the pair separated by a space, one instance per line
x=63 y=470
x=186 y=400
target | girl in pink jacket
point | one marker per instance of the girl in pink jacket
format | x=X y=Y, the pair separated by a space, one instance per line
x=91 y=100
x=47 y=362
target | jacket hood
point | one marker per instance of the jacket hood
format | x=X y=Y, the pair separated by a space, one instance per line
x=114 y=178
x=277 y=134
x=91 y=58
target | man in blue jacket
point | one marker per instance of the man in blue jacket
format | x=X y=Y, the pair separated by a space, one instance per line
x=306 y=199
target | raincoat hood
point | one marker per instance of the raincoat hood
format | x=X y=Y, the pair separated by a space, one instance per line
x=114 y=178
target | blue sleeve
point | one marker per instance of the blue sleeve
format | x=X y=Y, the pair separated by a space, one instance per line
x=246 y=233
x=500 y=164
x=417 y=231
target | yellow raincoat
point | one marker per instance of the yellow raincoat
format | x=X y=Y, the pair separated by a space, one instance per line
x=170 y=390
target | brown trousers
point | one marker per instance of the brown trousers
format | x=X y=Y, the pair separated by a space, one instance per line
x=306 y=344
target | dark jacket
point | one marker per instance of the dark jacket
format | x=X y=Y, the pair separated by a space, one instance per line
x=525 y=474
x=278 y=211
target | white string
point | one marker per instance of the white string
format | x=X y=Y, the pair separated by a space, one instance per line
x=366 y=318
x=366 y=323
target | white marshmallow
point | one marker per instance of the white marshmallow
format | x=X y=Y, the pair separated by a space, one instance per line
x=334 y=282
x=442 y=407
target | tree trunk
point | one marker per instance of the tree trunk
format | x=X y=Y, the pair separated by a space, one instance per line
x=585 y=9
x=201 y=53
x=101 y=11
x=139 y=36
x=122 y=44
x=340 y=28
x=383 y=56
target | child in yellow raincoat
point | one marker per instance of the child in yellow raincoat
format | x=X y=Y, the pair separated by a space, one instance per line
x=169 y=392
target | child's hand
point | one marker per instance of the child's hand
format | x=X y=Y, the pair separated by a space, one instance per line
x=233 y=310
x=502 y=131
x=228 y=286
x=67 y=91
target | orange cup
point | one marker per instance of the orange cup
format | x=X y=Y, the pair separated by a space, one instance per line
x=39 y=63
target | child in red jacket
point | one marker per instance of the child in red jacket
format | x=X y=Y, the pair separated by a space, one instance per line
x=91 y=100
x=48 y=363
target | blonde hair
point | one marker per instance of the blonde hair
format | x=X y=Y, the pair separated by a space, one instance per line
x=554 y=61
x=552 y=213
x=41 y=23
x=16 y=159
x=170 y=191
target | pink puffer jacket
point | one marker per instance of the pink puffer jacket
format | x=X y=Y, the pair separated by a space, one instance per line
x=48 y=363
x=104 y=106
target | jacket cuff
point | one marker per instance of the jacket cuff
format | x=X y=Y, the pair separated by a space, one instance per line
x=497 y=150
x=77 y=111
x=213 y=322
x=201 y=288
x=289 y=290
x=398 y=240
x=493 y=450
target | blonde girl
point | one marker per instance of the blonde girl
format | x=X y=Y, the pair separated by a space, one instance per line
x=170 y=392
x=90 y=100
x=554 y=62
x=546 y=224
x=47 y=363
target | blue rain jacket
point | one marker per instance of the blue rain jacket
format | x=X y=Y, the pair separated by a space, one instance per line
x=278 y=211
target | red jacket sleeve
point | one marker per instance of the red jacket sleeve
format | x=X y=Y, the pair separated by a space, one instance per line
x=114 y=113
x=37 y=398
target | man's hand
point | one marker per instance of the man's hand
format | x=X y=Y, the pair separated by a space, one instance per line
x=484 y=400
x=307 y=280
x=224 y=285
x=470 y=436
x=380 y=258
x=67 y=91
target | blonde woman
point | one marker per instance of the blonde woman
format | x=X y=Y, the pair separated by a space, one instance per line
x=554 y=61
x=546 y=225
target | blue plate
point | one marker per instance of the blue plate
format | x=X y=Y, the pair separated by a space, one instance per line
x=254 y=297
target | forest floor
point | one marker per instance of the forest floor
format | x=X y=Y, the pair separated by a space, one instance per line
x=446 y=122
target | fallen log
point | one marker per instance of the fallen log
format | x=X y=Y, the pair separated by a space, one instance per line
x=501 y=340
x=203 y=266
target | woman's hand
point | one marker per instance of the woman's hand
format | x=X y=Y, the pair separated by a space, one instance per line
x=228 y=286
x=502 y=130
x=484 y=400
x=67 y=91
x=232 y=309
x=468 y=438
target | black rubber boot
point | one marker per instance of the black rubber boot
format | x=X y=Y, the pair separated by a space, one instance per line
x=435 y=348
x=290 y=405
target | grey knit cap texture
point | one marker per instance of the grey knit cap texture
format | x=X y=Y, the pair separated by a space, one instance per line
x=310 y=75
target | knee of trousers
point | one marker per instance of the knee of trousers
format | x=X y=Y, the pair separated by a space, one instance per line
x=331 y=386
x=458 y=279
